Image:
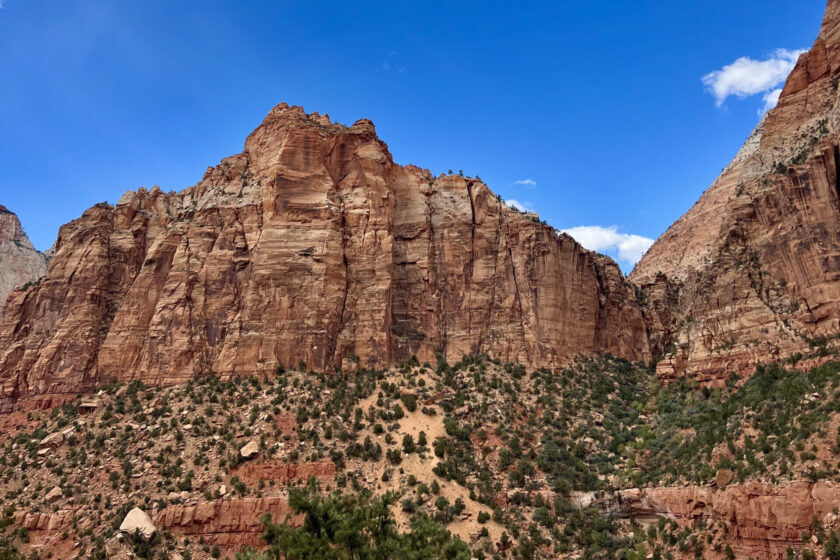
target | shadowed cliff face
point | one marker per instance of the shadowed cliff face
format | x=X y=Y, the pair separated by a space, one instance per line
x=309 y=245
x=755 y=264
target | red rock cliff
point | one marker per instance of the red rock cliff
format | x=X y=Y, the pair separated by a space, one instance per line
x=762 y=521
x=313 y=245
x=752 y=271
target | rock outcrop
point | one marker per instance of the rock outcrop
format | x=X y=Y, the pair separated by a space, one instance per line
x=227 y=523
x=752 y=272
x=282 y=472
x=763 y=520
x=136 y=522
x=249 y=450
x=311 y=246
x=20 y=263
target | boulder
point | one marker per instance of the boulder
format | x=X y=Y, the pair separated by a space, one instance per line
x=88 y=405
x=113 y=546
x=137 y=521
x=249 y=450
x=53 y=495
x=52 y=440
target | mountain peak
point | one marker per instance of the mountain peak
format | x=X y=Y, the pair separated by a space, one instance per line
x=21 y=263
x=752 y=267
x=310 y=245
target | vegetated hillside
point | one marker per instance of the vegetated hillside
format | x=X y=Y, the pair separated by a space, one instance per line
x=595 y=460
x=147 y=412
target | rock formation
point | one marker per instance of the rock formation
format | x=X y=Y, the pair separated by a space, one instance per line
x=311 y=245
x=763 y=520
x=20 y=263
x=751 y=272
x=283 y=472
x=137 y=522
x=229 y=523
x=249 y=450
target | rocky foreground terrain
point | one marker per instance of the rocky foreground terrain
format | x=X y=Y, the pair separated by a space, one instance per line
x=315 y=352
x=598 y=460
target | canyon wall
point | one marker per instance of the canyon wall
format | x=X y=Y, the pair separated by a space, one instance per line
x=750 y=274
x=763 y=520
x=311 y=245
x=757 y=520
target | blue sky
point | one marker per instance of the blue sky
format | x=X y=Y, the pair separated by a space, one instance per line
x=594 y=114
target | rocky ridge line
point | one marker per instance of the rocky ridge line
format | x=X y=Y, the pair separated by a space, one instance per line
x=751 y=272
x=20 y=263
x=310 y=246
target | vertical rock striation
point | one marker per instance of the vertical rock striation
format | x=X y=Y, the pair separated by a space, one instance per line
x=752 y=272
x=761 y=520
x=311 y=245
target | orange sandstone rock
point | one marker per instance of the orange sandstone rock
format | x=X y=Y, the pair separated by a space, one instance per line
x=763 y=520
x=752 y=271
x=311 y=245
x=283 y=472
x=227 y=523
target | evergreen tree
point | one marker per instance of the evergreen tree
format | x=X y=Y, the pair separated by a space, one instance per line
x=356 y=527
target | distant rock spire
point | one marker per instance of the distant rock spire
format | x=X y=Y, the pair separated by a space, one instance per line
x=20 y=263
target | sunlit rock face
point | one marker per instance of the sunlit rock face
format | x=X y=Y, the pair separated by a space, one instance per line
x=311 y=245
x=753 y=268
x=20 y=263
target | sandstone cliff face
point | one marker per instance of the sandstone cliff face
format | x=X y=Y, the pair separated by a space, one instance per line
x=754 y=264
x=313 y=245
x=227 y=523
x=20 y=263
x=762 y=520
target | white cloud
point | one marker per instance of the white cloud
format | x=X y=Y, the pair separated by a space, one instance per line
x=629 y=247
x=746 y=77
x=526 y=182
x=521 y=206
x=770 y=100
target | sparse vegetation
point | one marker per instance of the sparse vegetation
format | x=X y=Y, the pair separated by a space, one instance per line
x=489 y=451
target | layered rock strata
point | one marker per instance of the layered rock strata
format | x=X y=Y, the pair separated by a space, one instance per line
x=762 y=520
x=752 y=272
x=231 y=524
x=310 y=246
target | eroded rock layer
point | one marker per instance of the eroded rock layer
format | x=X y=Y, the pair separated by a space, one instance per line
x=228 y=523
x=763 y=520
x=752 y=272
x=311 y=245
